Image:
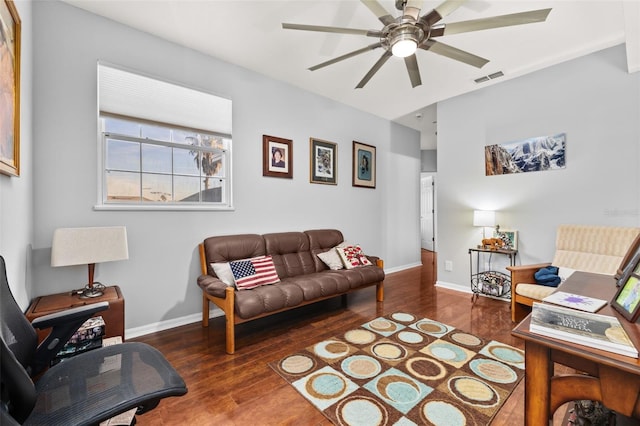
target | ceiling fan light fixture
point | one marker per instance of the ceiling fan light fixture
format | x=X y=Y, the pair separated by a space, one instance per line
x=404 y=40
x=404 y=48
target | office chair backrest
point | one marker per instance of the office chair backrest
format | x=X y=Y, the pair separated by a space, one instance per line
x=16 y=331
x=19 y=342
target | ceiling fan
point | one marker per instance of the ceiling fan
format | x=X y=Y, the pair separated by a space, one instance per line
x=403 y=35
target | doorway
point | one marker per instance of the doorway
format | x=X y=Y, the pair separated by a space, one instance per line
x=427 y=229
x=427 y=212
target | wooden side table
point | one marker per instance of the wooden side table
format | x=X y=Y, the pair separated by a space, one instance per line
x=113 y=316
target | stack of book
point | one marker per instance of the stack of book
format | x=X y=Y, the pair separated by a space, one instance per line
x=594 y=330
x=89 y=336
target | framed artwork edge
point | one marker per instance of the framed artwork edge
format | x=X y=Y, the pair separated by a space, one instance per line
x=13 y=168
x=629 y=278
x=356 y=179
x=313 y=165
x=513 y=232
x=271 y=144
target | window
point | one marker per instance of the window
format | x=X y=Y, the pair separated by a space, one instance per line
x=162 y=146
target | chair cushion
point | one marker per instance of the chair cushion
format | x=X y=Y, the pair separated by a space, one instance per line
x=538 y=291
x=534 y=291
x=564 y=272
x=597 y=249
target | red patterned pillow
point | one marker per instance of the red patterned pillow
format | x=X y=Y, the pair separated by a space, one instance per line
x=353 y=257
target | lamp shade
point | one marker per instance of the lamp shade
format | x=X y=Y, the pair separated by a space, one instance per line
x=83 y=246
x=484 y=218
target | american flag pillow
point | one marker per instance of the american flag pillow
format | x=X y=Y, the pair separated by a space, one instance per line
x=254 y=272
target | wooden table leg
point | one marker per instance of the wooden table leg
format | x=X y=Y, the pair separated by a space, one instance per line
x=537 y=379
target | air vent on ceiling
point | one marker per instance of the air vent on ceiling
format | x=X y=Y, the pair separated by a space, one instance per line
x=489 y=77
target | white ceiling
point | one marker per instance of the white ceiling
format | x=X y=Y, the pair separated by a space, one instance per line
x=250 y=34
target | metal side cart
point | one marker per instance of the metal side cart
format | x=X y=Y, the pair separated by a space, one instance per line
x=484 y=280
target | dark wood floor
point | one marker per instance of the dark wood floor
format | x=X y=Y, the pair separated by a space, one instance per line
x=241 y=389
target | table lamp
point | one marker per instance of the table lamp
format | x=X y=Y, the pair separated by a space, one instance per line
x=484 y=218
x=79 y=246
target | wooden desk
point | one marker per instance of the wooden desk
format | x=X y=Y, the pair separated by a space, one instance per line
x=113 y=316
x=611 y=378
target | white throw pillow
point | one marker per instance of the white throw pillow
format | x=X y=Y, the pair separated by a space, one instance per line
x=223 y=271
x=331 y=259
x=564 y=272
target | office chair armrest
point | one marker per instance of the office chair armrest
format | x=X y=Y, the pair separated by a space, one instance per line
x=63 y=324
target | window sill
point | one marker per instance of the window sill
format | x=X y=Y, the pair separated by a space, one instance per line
x=160 y=207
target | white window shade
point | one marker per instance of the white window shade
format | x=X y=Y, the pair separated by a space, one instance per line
x=133 y=95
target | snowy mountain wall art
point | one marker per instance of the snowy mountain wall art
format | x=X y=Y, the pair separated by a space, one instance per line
x=529 y=155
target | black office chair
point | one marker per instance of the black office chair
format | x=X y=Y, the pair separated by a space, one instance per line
x=83 y=390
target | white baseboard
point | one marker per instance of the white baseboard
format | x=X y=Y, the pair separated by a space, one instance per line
x=402 y=268
x=130 y=333
x=466 y=289
x=452 y=286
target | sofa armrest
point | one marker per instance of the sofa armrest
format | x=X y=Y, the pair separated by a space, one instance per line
x=373 y=259
x=524 y=273
x=212 y=286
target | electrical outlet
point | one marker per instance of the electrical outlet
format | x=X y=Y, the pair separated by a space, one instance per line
x=448 y=265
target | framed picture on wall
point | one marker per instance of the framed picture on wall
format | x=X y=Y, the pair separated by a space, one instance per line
x=324 y=162
x=277 y=157
x=509 y=236
x=364 y=165
x=9 y=89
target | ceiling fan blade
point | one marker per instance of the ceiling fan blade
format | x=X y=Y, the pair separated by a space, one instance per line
x=454 y=53
x=385 y=17
x=385 y=56
x=493 y=22
x=346 y=56
x=441 y=11
x=339 y=30
x=412 y=68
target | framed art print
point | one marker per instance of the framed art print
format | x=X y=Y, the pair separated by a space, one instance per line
x=509 y=236
x=277 y=157
x=627 y=298
x=324 y=162
x=364 y=165
x=9 y=89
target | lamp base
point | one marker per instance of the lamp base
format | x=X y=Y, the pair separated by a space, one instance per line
x=91 y=291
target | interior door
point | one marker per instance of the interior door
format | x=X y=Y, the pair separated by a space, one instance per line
x=427 y=239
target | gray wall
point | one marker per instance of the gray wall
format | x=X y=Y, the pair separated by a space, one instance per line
x=16 y=193
x=595 y=102
x=429 y=160
x=159 y=279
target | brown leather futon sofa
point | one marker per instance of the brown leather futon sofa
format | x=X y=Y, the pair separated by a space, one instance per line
x=303 y=277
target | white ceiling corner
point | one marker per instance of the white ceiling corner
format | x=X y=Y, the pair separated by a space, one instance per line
x=258 y=42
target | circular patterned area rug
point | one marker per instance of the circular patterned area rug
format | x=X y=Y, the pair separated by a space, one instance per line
x=402 y=369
